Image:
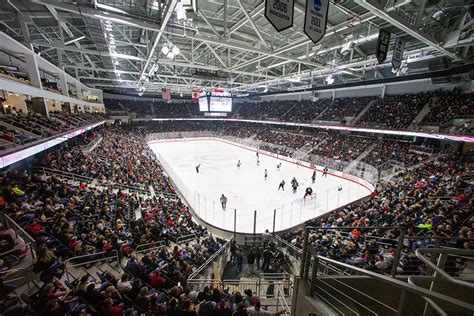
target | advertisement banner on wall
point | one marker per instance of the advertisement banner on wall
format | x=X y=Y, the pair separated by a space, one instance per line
x=398 y=53
x=315 y=19
x=382 y=46
x=280 y=13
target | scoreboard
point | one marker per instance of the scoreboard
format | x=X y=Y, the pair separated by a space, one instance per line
x=216 y=100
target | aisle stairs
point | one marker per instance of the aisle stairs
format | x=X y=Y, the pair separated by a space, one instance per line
x=366 y=152
x=316 y=119
x=237 y=111
x=303 y=151
x=421 y=115
x=361 y=113
x=282 y=117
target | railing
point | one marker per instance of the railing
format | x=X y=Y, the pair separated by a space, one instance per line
x=93 y=144
x=21 y=233
x=422 y=149
x=278 y=286
x=439 y=272
x=89 y=259
x=20 y=277
x=185 y=238
x=347 y=298
x=221 y=254
x=281 y=301
x=81 y=178
x=291 y=251
x=149 y=246
x=305 y=260
x=63 y=174
x=344 y=297
x=60 y=135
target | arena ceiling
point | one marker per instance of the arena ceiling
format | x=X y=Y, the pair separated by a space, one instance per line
x=118 y=44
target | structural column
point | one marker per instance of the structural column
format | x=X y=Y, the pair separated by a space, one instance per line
x=33 y=70
x=63 y=84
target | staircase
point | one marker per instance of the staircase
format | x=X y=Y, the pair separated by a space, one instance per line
x=303 y=151
x=366 y=152
x=236 y=111
x=358 y=116
x=421 y=115
x=284 y=114
x=321 y=114
x=152 y=109
x=189 y=111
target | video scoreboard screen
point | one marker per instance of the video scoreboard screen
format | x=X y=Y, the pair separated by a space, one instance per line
x=215 y=101
x=203 y=102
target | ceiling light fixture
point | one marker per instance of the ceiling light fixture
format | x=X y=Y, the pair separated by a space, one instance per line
x=170 y=50
x=330 y=79
x=165 y=50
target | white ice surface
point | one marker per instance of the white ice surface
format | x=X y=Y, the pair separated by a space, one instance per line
x=246 y=188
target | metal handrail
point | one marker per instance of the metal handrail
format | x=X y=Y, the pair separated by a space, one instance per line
x=211 y=258
x=158 y=244
x=66 y=263
x=75 y=176
x=401 y=284
x=24 y=276
x=90 y=146
x=281 y=299
x=428 y=300
x=63 y=173
x=20 y=232
x=289 y=245
x=13 y=250
x=420 y=255
x=54 y=136
x=185 y=238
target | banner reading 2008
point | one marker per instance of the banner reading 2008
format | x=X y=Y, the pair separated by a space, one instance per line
x=315 y=19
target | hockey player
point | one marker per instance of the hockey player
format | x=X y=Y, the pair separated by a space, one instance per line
x=279 y=166
x=258 y=162
x=313 y=177
x=223 y=201
x=258 y=156
x=308 y=192
x=294 y=184
x=325 y=172
x=197 y=168
x=282 y=185
x=266 y=174
x=238 y=164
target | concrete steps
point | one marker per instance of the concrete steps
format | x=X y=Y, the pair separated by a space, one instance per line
x=284 y=114
x=421 y=115
x=366 y=152
x=237 y=111
x=364 y=110
x=320 y=114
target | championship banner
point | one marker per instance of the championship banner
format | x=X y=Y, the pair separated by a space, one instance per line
x=280 y=13
x=315 y=19
x=166 y=93
x=398 y=53
x=195 y=96
x=382 y=46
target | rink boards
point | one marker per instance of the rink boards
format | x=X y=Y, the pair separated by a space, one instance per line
x=246 y=188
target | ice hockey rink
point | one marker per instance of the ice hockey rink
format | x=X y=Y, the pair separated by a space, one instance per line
x=246 y=188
